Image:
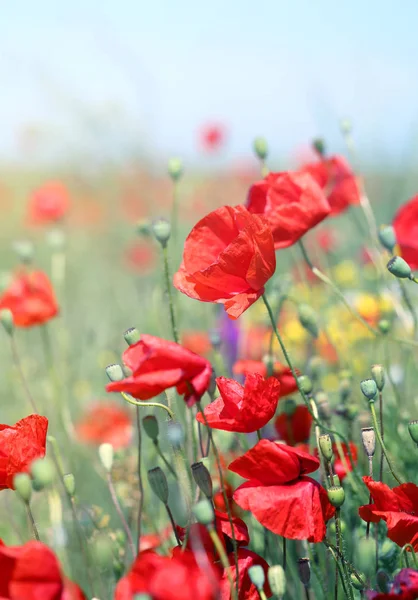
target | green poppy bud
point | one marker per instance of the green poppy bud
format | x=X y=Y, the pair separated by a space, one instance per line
x=384 y=326
x=308 y=319
x=132 y=336
x=277 y=580
x=175 y=168
x=369 y=388
x=315 y=367
x=203 y=511
x=343 y=525
x=6 y=319
x=151 y=427
x=260 y=148
x=413 y=431
x=304 y=569
x=325 y=445
x=43 y=472
x=378 y=374
x=318 y=145
x=203 y=479
x=356 y=583
x=106 y=456
x=69 y=482
x=257 y=576
x=24 y=250
x=399 y=268
x=305 y=384
x=387 y=237
x=23 y=486
x=336 y=496
x=161 y=229
x=115 y=372
x=158 y=483
x=368 y=437
x=324 y=407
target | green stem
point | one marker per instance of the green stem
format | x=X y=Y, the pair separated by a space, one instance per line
x=260 y=437
x=140 y=482
x=32 y=522
x=170 y=295
x=224 y=560
x=382 y=445
x=147 y=404
x=163 y=458
x=340 y=551
x=382 y=433
x=173 y=525
x=404 y=554
x=116 y=504
x=175 y=209
x=18 y=364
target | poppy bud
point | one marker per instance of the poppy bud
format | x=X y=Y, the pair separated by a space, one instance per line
x=387 y=237
x=203 y=511
x=384 y=326
x=413 y=431
x=151 y=427
x=305 y=384
x=43 y=472
x=369 y=388
x=175 y=168
x=203 y=479
x=308 y=319
x=257 y=576
x=335 y=480
x=158 y=483
x=114 y=372
x=304 y=568
x=24 y=250
x=368 y=437
x=383 y=581
x=315 y=367
x=399 y=268
x=289 y=406
x=6 y=319
x=23 y=486
x=277 y=580
x=357 y=585
x=352 y=412
x=69 y=483
x=325 y=445
x=345 y=389
x=261 y=148
x=319 y=146
x=324 y=408
x=336 y=496
x=161 y=229
x=106 y=456
x=175 y=434
x=343 y=526
x=132 y=336
x=378 y=374
x=102 y=552
x=143 y=228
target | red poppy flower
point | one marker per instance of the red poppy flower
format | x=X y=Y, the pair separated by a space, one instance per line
x=278 y=492
x=295 y=428
x=398 y=507
x=405 y=224
x=166 y=578
x=32 y=571
x=157 y=364
x=247 y=590
x=282 y=373
x=212 y=137
x=197 y=342
x=228 y=258
x=49 y=203
x=293 y=203
x=335 y=176
x=105 y=423
x=243 y=409
x=219 y=500
x=31 y=299
x=140 y=256
x=20 y=444
x=403 y=587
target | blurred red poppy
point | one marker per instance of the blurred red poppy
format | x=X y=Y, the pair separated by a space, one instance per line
x=278 y=492
x=20 y=444
x=247 y=590
x=32 y=572
x=157 y=364
x=212 y=137
x=197 y=342
x=293 y=203
x=105 y=423
x=282 y=373
x=403 y=587
x=335 y=176
x=140 y=256
x=165 y=578
x=405 y=224
x=30 y=298
x=342 y=466
x=327 y=239
x=398 y=507
x=296 y=427
x=49 y=203
x=228 y=258
x=242 y=409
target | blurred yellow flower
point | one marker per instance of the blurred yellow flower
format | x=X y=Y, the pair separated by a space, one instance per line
x=345 y=273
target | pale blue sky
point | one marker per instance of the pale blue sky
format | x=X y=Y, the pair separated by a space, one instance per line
x=110 y=76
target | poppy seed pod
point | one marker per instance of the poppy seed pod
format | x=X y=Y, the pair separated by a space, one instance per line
x=6 y=319
x=106 y=456
x=158 y=483
x=203 y=511
x=369 y=389
x=277 y=580
x=43 y=472
x=132 y=336
x=308 y=319
x=315 y=367
x=161 y=229
x=304 y=569
x=151 y=427
x=413 y=430
x=175 y=168
x=325 y=445
x=305 y=384
x=378 y=374
x=387 y=237
x=23 y=486
x=114 y=372
x=260 y=148
x=257 y=576
x=355 y=582
x=368 y=437
x=336 y=496
x=69 y=483
x=322 y=402
x=399 y=268
x=203 y=479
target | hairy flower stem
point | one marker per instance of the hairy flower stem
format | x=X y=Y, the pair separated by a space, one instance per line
x=163 y=458
x=140 y=482
x=32 y=522
x=370 y=496
x=382 y=445
x=147 y=404
x=18 y=365
x=224 y=560
x=170 y=295
x=116 y=504
x=340 y=552
x=382 y=434
x=173 y=524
